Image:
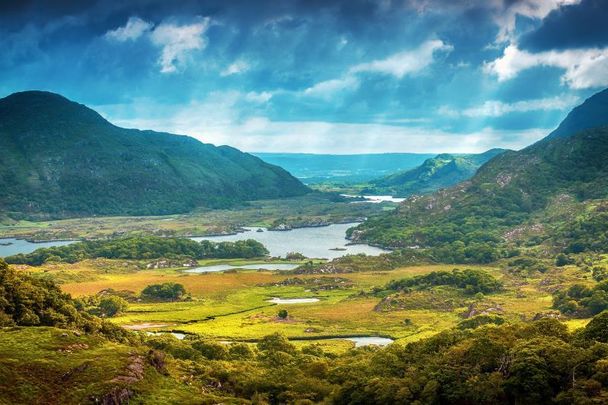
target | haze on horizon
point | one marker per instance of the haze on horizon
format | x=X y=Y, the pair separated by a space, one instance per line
x=348 y=76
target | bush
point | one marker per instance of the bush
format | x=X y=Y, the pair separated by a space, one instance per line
x=470 y=280
x=112 y=305
x=164 y=292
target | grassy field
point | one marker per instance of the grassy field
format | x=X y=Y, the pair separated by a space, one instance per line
x=298 y=211
x=234 y=305
x=54 y=366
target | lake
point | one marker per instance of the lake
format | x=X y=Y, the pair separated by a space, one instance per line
x=375 y=198
x=314 y=242
x=311 y=242
x=10 y=246
x=224 y=267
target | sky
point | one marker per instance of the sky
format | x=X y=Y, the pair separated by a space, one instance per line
x=316 y=76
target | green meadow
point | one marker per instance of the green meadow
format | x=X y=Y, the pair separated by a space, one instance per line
x=234 y=305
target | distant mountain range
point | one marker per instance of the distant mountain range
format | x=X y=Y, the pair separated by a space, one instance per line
x=553 y=193
x=61 y=159
x=441 y=171
x=347 y=169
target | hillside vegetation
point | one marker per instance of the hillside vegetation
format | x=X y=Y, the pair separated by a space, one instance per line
x=143 y=247
x=551 y=193
x=438 y=172
x=62 y=159
x=51 y=351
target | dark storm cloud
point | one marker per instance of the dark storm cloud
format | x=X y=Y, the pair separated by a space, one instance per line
x=577 y=26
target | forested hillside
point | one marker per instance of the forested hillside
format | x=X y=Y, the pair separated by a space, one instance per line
x=441 y=171
x=554 y=188
x=62 y=159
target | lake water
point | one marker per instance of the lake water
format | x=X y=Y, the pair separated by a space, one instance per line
x=178 y=335
x=311 y=242
x=10 y=246
x=224 y=267
x=375 y=198
x=369 y=341
x=314 y=242
x=277 y=300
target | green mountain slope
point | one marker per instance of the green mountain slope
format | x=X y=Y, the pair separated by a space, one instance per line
x=62 y=159
x=512 y=194
x=438 y=172
x=590 y=114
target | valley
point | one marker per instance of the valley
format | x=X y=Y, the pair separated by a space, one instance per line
x=339 y=202
x=493 y=266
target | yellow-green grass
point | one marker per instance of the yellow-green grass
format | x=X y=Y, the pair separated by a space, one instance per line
x=234 y=305
x=55 y=366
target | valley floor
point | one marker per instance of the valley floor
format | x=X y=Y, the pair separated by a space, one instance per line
x=309 y=210
x=235 y=305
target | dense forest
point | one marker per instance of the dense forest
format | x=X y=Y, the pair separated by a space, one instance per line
x=142 y=247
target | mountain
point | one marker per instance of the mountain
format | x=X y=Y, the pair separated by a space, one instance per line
x=62 y=159
x=319 y=168
x=590 y=114
x=438 y=172
x=554 y=192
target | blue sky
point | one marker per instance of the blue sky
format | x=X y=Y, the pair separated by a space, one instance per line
x=320 y=76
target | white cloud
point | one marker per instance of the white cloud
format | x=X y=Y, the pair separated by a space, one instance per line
x=584 y=68
x=218 y=120
x=507 y=12
x=330 y=87
x=135 y=28
x=495 y=108
x=240 y=66
x=398 y=65
x=261 y=97
x=177 y=41
x=406 y=62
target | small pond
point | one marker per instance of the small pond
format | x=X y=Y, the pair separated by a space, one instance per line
x=277 y=300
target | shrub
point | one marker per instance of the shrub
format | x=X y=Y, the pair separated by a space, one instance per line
x=164 y=292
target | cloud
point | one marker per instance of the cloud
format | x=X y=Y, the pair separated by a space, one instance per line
x=576 y=26
x=495 y=108
x=330 y=87
x=177 y=41
x=584 y=68
x=135 y=28
x=506 y=18
x=397 y=65
x=406 y=62
x=218 y=119
x=240 y=66
x=261 y=97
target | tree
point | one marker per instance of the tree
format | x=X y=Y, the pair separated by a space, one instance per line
x=164 y=292
x=283 y=314
x=112 y=305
